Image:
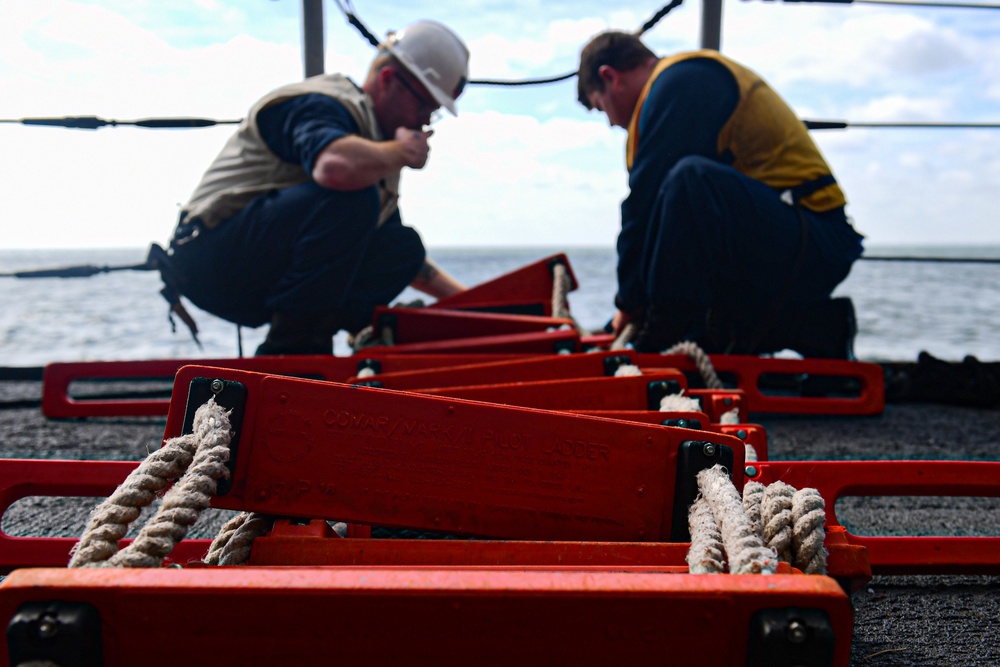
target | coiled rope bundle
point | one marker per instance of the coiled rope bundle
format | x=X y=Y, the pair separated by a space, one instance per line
x=768 y=525
x=199 y=461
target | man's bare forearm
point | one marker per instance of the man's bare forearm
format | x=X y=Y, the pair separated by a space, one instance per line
x=352 y=162
x=433 y=280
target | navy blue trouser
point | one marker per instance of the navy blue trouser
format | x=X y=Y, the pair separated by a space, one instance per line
x=305 y=249
x=719 y=239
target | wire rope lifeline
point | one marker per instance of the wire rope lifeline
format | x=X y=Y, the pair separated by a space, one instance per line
x=198 y=459
x=769 y=524
x=346 y=7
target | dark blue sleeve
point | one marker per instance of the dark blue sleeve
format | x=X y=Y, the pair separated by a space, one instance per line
x=299 y=128
x=687 y=107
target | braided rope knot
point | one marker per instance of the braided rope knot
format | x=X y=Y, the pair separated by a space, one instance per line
x=770 y=524
x=706 y=555
x=198 y=459
x=744 y=548
x=776 y=517
x=808 y=517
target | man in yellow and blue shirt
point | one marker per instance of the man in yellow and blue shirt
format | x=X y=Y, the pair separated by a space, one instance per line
x=734 y=232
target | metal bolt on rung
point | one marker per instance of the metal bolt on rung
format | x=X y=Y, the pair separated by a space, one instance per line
x=797 y=632
x=48 y=627
x=217 y=386
x=708 y=449
x=750 y=471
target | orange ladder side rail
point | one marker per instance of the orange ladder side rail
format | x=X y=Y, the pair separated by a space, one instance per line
x=423 y=325
x=528 y=285
x=639 y=392
x=314 y=543
x=901 y=554
x=864 y=382
x=547 y=367
x=400 y=459
x=23 y=478
x=57 y=403
x=559 y=341
x=754 y=435
x=429 y=616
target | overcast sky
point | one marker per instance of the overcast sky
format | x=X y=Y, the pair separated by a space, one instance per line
x=524 y=167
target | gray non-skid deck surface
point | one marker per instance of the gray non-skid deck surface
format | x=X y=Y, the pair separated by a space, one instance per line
x=926 y=620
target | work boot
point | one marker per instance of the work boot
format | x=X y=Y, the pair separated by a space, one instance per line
x=932 y=380
x=825 y=330
x=299 y=333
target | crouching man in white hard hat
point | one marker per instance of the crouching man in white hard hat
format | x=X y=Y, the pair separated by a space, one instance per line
x=296 y=221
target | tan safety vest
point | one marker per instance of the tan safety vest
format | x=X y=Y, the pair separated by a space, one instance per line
x=767 y=140
x=246 y=167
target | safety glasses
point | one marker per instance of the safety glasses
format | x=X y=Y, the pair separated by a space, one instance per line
x=432 y=109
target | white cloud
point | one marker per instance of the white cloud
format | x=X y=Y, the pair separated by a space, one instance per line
x=899 y=108
x=498 y=179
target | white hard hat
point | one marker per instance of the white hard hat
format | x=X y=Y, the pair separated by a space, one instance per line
x=435 y=55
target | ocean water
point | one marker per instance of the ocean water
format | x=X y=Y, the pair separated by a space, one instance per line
x=948 y=309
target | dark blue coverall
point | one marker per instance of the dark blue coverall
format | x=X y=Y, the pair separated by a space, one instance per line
x=697 y=234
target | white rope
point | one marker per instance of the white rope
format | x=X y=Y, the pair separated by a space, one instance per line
x=789 y=522
x=776 y=513
x=744 y=550
x=198 y=459
x=808 y=517
x=750 y=454
x=561 y=285
x=366 y=338
x=628 y=370
x=701 y=360
x=706 y=555
x=362 y=338
x=628 y=333
x=560 y=288
x=730 y=416
x=753 y=495
x=232 y=545
x=366 y=372
x=679 y=403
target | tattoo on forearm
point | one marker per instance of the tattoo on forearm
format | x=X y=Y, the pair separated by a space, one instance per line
x=427 y=273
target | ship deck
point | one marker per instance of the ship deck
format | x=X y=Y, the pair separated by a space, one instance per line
x=899 y=620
